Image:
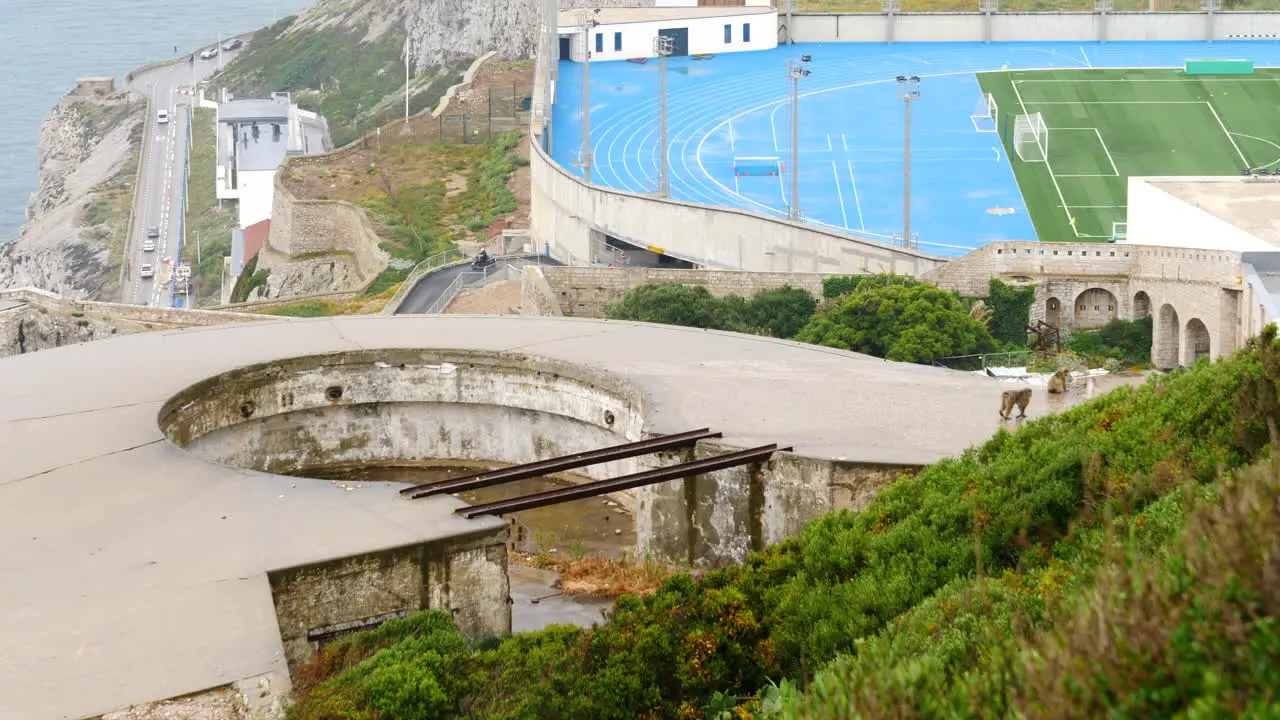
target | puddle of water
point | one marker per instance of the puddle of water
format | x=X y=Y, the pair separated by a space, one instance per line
x=593 y=526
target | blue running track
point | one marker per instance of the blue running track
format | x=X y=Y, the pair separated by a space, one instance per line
x=736 y=105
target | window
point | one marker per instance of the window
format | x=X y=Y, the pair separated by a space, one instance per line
x=728 y=34
x=617 y=42
x=599 y=42
x=746 y=32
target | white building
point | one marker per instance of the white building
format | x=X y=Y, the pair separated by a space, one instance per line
x=1211 y=213
x=254 y=136
x=628 y=33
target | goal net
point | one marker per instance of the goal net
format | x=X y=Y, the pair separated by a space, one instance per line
x=1031 y=138
x=985 y=114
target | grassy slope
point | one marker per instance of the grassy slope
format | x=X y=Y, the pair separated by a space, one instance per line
x=895 y=585
x=1167 y=130
x=333 y=72
x=204 y=219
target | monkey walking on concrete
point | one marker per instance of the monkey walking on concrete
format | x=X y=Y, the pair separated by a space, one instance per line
x=1009 y=398
x=1058 y=382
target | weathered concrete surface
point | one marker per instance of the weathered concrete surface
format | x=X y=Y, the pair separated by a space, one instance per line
x=143 y=569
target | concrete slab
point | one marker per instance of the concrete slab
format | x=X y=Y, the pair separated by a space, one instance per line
x=135 y=571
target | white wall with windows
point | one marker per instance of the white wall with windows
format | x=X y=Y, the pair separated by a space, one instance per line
x=705 y=36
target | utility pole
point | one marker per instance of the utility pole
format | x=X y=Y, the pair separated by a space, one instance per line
x=908 y=92
x=586 y=21
x=406 y=80
x=217 y=50
x=662 y=47
x=795 y=71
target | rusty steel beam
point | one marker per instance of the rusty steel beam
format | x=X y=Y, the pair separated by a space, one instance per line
x=501 y=476
x=626 y=482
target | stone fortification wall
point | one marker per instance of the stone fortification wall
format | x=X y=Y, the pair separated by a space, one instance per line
x=1030 y=26
x=584 y=291
x=970 y=274
x=318 y=246
x=536 y=295
x=32 y=320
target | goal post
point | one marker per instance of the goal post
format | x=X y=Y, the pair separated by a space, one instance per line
x=984 y=114
x=1031 y=138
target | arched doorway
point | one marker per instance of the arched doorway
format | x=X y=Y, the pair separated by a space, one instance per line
x=1167 y=336
x=1197 y=340
x=1053 y=312
x=1141 y=305
x=1094 y=308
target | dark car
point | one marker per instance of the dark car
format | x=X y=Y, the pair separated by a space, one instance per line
x=232 y=44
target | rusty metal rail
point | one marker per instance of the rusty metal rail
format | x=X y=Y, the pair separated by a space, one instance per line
x=501 y=476
x=626 y=482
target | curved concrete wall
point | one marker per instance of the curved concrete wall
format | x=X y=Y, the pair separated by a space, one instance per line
x=572 y=218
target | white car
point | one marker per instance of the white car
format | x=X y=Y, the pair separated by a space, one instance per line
x=209 y=53
x=146 y=271
x=162 y=117
x=149 y=246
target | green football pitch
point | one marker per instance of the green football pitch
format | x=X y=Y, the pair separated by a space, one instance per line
x=1104 y=126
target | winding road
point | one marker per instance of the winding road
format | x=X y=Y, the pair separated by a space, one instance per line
x=160 y=194
x=433 y=285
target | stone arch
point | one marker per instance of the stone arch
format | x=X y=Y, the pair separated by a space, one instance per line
x=1167 y=336
x=1141 y=305
x=1197 y=341
x=1095 y=307
x=1053 y=312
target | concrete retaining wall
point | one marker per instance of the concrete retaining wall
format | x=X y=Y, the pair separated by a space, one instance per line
x=584 y=291
x=119 y=312
x=1029 y=26
x=466 y=577
x=573 y=218
x=536 y=295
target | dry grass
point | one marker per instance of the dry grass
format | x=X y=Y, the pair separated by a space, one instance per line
x=598 y=576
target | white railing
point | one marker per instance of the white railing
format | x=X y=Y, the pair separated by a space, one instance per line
x=438 y=260
x=469 y=280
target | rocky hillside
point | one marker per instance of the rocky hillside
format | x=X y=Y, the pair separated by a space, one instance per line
x=72 y=242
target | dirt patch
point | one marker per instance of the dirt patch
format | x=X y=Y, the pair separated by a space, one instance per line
x=500 y=298
x=496 y=86
x=599 y=576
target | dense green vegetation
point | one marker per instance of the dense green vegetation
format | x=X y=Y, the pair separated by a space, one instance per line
x=251 y=278
x=889 y=316
x=208 y=228
x=1108 y=560
x=422 y=220
x=356 y=84
x=780 y=312
x=1126 y=342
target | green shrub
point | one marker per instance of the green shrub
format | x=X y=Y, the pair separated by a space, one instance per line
x=779 y=312
x=1010 y=311
x=1126 y=341
x=908 y=321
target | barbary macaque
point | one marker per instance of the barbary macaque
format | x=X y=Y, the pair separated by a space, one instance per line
x=1058 y=383
x=1021 y=398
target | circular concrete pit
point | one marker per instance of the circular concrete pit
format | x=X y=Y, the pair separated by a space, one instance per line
x=151 y=548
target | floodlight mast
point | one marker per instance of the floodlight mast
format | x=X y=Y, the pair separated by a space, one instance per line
x=586 y=21
x=662 y=47
x=908 y=92
x=795 y=71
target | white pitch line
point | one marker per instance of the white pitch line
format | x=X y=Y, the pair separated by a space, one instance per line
x=731 y=144
x=1115 y=102
x=829 y=148
x=1110 y=159
x=1086 y=57
x=856 y=201
x=839 y=193
x=1231 y=139
x=773 y=128
x=845 y=142
x=1048 y=167
x=783 y=187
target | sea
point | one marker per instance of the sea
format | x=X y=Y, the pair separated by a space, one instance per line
x=46 y=44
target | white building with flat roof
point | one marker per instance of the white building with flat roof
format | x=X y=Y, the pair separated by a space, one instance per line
x=254 y=137
x=628 y=33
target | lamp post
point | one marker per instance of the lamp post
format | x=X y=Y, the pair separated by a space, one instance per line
x=908 y=92
x=662 y=47
x=795 y=71
x=407 y=40
x=586 y=21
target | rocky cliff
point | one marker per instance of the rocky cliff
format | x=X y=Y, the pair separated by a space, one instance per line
x=76 y=219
